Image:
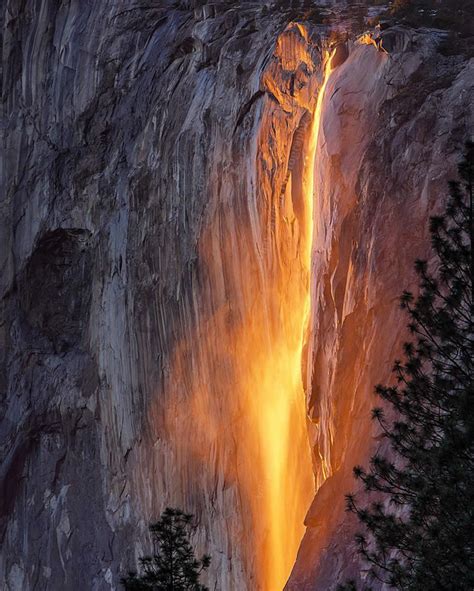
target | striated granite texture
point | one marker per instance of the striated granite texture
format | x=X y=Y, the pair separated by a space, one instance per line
x=393 y=127
x=152 y=207
x=152 y=212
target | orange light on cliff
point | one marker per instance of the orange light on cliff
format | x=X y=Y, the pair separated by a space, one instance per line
x=311 y=154
x=310 y=189
x=280 y=406
x=285 y=462
x=236 y=415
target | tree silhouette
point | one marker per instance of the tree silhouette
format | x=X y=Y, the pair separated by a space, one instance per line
x=419 y=515
x=173 y=566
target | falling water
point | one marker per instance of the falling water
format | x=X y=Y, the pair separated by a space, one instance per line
x=237 y=416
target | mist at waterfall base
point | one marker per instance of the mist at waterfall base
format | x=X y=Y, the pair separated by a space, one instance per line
x=239 y=409
x=233 y=306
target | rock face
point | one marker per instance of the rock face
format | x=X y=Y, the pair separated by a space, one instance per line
x=393 y=127
x=152 y=227
x=153 y=280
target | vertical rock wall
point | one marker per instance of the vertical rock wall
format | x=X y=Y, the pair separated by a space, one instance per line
x=151 y=206
x=393 y=127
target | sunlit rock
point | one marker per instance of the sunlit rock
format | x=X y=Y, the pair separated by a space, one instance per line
x=156 y=236
x=393 y=126
x=155 y=284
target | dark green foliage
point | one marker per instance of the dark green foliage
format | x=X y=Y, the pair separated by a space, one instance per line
x=173 y=566
x=419 y=517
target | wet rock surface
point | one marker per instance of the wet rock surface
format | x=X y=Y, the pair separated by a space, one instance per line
x=393 y=128
x=128 y=131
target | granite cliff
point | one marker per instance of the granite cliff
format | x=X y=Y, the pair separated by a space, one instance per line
x=155 y=228
x=393 y=126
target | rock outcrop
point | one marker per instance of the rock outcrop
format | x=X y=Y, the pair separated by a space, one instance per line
x=393 y=128
x=151 y=215
x=152 y=279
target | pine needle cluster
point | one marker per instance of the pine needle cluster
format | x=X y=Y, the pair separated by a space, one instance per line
x=173 y=566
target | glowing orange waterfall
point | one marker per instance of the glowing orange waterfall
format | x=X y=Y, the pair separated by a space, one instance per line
x=311 y=190
x=236 y=414
x=313 y=143
x=280 y=406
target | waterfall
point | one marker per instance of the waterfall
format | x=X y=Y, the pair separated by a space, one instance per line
x=203 y=239
x=236 y=400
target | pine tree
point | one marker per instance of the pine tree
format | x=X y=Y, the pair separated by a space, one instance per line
x=418 y=514
x=173 y=566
